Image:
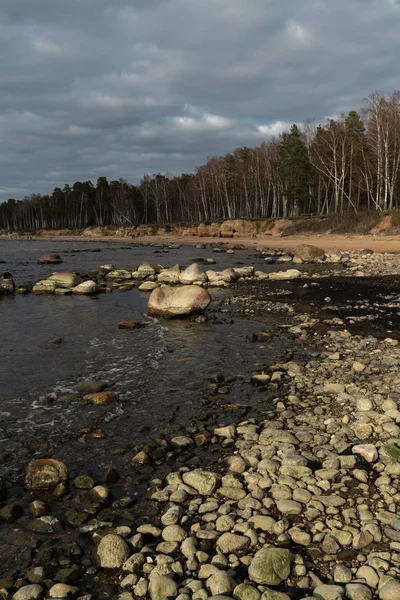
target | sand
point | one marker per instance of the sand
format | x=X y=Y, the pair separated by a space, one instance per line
x=327 y=242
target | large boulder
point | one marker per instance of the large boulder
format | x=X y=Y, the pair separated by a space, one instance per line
x=270 y=566
x=170 y=275
x=86 y=288
x=309 y=253
x=50 y=259
x=64 y=280
x=7 y=285
x=45 y=473
x=179 y=301
x=195 y=273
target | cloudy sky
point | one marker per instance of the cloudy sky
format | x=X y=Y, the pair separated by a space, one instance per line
x=121 y=88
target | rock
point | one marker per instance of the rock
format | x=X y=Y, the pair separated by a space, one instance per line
x=227 y=276
x=86 y=288
x=29 y=592
x=178 y=301
x=129 y=325
x=204 y=482
x=309 y=253
x=329 y=592
x=274 y=595
x=219 y=583
x=169 y=275
x=367 y=451
x=283 y=275
x=147 y=286
x=64 y=280
x=147 y=269
x=7 y=285
x=358 y=591
x=101 y=398
x=193 y=274
x=44 y=287
x=230 y=542
x=244 y=591
x=289 y=507
x=390 y=590
x=45 y=473
x=112 y=551
x=50 y=259
x=62 y=590
x=162 y=587
x=119 y=274
x=174 y=533
x=270 y=566
x=90 y=386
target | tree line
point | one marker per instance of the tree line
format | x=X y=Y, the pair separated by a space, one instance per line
x=350 y=163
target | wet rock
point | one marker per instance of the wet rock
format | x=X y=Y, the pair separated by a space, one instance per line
x=90 y=386
x=64 y=280
x=120 y=274
x=88 y=288
x=44 y=287
x=101 y=398
x=45 y=473
x=50 y=259
x=147 y=286
x=112 y=552
x=11 y=513
x=7 y=285
x=170 y=302
x=129 y=325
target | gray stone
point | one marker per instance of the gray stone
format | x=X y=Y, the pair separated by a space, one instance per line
x=112 y=552
x=358 y=591
x=29 y=592
x=390 y=590
x=62 y=590
x=244 y=591
x=230 y=542
x=204 y=482
x=219 y=583
x=329 y=592
x=270 y=566
x=162 y=587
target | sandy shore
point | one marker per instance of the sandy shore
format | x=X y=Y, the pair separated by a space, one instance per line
x=327 y=242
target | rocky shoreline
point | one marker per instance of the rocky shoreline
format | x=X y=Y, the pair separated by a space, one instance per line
x=296 y=500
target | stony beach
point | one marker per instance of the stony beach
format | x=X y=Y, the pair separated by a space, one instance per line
x=294 y=499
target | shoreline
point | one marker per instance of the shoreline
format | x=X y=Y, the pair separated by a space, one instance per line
x=310 y=477
x=382 y=244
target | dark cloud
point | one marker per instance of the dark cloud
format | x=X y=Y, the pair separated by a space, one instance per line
x=122 y=88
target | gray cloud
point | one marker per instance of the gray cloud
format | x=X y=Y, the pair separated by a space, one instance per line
x=121 y=88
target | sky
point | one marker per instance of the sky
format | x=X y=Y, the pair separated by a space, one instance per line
x=122 y=88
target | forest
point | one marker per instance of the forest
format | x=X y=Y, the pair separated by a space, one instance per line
x=348 y=164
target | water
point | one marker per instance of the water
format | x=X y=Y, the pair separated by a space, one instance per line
x=160 y=373
x=35 y=371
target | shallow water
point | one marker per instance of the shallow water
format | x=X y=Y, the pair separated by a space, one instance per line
x=35 y=371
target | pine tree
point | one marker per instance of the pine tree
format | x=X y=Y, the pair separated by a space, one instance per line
x=294 y=169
